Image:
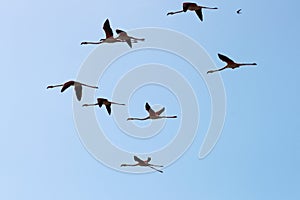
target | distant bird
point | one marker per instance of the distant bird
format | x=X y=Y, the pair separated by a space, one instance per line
x=192 y=7
x=101 y=101
x=230 y=64
x=109 y=35
x=143 y=163
x=124 y=37
x=239 y=11
x=152 y=114
x=77 y=87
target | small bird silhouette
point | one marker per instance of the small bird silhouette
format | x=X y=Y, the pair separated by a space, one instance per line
x=77 y=87
x=101 y=101
x=152 y=114
x=239 y=11
x=192 y=7
x=108 y=33
x=143 y=163
x=230 y=64
x=124 y=37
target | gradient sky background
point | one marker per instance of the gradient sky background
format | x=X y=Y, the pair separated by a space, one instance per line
x=257 y=156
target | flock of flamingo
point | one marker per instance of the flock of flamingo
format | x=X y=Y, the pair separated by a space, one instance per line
x=124 y=37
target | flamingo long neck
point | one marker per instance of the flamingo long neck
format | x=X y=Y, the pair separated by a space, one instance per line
x=138 y=118
x=243 y=64
x=53 y=86
x=212 y=71
x=94 y=104
x=99 y=42
x=172 y=13
x=130 y=165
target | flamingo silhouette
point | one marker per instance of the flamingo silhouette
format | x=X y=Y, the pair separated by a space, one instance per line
x=124 y=37
x=77 y=87
x=192 y=7
x=143 y=163
x=108 y=33
x=230 y=64
x=101 y=101
x=152 y=114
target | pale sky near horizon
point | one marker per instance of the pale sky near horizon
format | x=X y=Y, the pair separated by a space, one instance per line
x=257 y=155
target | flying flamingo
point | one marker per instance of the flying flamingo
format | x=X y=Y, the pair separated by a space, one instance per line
x=192 y=7
x=143 y=163
x=124 y=37
x=109 y=35
x=77 y=87
x=152 y=114
x=230 y=64
x=239 y=11
x=101 y=101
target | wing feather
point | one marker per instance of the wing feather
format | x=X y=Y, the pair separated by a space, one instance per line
x=137 y=159
x=160 y=111
x=149 y=109
x=108 y=108
x=199 y=13
x=129 y=42
x=108 y=31
x=67 y=85
x=118 y=31
x=225 y=58
x=78 y=90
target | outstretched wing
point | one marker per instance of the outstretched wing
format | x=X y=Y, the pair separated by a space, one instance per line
x=225 y=58
x=160 y=111
x=129 y=42
x=107 y=29
x=123 y=36
x=118 y=31
x=108 y=108
x=137 y=159
x=149 y=109
x=216 y=70
x=199 y=13
x=67 y=85
x=78 y=90
x=148 y=159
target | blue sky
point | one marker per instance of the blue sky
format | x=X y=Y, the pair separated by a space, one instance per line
x=257 y=156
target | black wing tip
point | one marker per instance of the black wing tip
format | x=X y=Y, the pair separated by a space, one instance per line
x=136 y=158
x=222 y=56
x=147 y=106
x=119 y=31
x=108 y=108
x=106 y=23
